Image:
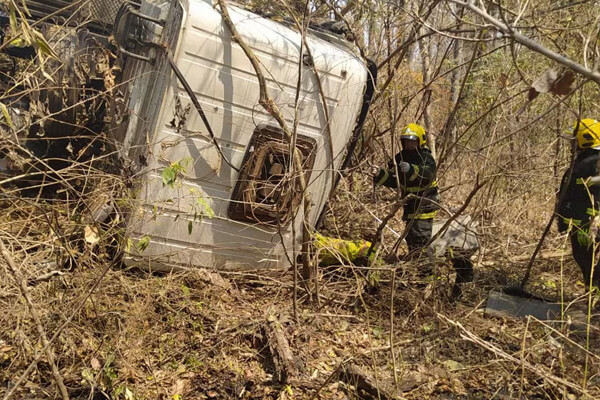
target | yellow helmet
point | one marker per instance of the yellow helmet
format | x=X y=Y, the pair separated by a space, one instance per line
x=587 y=132
x=414 y=131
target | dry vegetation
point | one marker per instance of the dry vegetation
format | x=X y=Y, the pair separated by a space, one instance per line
x=75 y=323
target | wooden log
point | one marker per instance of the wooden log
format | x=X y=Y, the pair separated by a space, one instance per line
x=285 y=363
x=354 y=375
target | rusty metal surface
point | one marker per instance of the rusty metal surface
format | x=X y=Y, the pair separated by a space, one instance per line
x=262 y=195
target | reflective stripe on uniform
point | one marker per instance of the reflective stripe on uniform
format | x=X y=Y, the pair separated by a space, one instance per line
x=362 y=250
x=416 y=189
x=415 y=174
x=428 y=215
x=586 y=181
x=383 y=178
x=569 y=221
x=583 y=237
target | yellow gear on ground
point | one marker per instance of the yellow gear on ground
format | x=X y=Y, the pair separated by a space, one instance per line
x=587 y=132
x=414 y=131
x=338 y=251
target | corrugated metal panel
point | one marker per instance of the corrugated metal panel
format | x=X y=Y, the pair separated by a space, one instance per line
x=181 y=231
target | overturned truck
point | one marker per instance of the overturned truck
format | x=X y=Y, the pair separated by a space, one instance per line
x=164 y=88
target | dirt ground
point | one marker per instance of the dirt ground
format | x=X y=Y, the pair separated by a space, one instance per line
x=129 y=334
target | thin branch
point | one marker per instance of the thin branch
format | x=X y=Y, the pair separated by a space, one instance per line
x=531 y=44
x=36 y=319
x=548 y=376
x=269 y=105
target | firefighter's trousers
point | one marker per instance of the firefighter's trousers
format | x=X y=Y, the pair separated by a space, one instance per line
x=583 y=253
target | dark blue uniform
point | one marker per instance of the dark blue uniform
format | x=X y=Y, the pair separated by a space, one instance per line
x=580 y=202
x=420 y=180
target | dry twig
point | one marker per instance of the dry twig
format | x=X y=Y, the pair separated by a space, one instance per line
x=36 y=319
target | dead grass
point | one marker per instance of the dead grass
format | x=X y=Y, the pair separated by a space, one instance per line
x=128 y=334
x=201 y=335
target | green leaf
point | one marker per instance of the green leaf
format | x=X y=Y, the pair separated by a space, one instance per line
x=43 y=45
x=186 y=290
x=168 y=176
x=289 y=390
x=88 y=375
x=143 y=243
x=206 y=208
x=6 y=115
x=13 y=20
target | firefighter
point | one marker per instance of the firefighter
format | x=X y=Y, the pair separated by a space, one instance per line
x=579 y=200
x=414 y=169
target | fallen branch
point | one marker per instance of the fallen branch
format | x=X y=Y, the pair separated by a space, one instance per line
x=499 y=260
x=354 y=375
x=548 y=376
x=58 y=331
x=45 y=277
x=342 y=364
x=283 y=358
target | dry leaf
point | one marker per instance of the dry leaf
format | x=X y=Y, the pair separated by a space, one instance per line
x=92 y=236
x=180 y=386
x=452 y=365
x=562 y=86
x=532 y=94
x=544 y=82
x=502 y=80
x=553 y=81
x=96 y=364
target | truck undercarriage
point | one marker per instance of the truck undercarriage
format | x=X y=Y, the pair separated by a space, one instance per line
x=59 y=87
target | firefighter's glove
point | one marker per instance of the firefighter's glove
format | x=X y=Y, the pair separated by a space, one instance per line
x=403 y=167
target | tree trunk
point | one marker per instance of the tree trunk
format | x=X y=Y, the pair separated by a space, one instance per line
x=424 y=50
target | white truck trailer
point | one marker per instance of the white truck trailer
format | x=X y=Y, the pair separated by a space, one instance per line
x=213 y=188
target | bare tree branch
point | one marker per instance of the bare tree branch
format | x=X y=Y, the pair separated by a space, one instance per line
x=36 y=319
x=529 y=43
